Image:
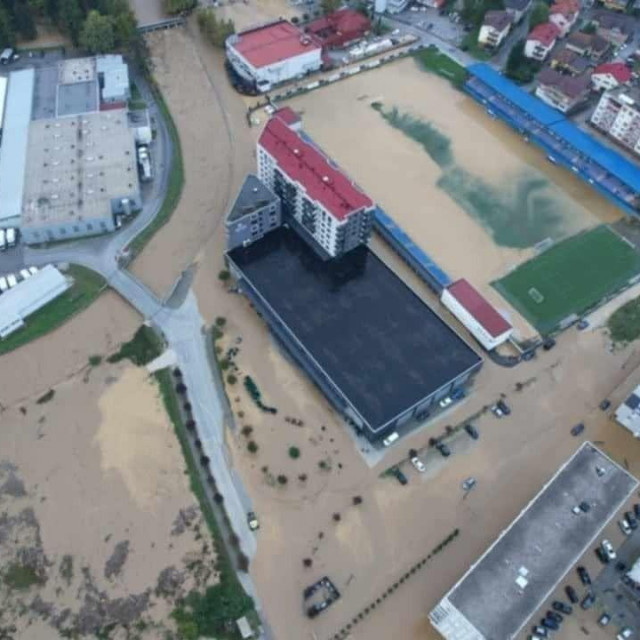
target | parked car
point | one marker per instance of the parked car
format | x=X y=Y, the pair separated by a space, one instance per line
x=472 y=431
x=468 y=484
x=11 y=237
x=588 y=601
x=252 y=521
x=585 y=506
x=636 y=510
x=3 y=240
x=502 y=405
x=621 y=566
x=624 y=527
x=584 y=576
x=25 y=274
x=605 y=404
x=445 y=402
x=604 y=619
x=540 y=631
x=457 y=394
x=607 y=547
x=578 y=429
x=443 y=449
x=571 y=594
x=418 y=464
x=554 y=615
x=631 y=519
x=563 y=607
x=402 y=479
x=497 y=412
x=12 y=281
x=548 y=344
x=625 y=633
x=602 y=556
x=33 y=270
x=4 y=285
x=550 y=623
x=390 y=439
x=582 y=325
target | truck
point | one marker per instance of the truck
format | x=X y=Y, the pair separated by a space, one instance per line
x=144 y=162
x=4 y=285
x=3 y=240
x=11 y=237
x=7 y=56
x=12 y=281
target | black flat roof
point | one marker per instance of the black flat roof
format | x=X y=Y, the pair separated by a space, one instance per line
x=382 y=346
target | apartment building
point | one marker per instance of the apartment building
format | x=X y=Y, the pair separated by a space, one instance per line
x=562 y=92
x=618 y=115
x=495 y=28
x=541 y=40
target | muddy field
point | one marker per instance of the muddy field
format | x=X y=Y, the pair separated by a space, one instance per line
x=99 y=528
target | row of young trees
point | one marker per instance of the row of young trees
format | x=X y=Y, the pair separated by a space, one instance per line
x=96 y=25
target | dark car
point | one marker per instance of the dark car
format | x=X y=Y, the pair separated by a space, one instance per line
x=472 y=431
x=443 y=449
x=578 y=429
x=457 y=394
x=563 y=607
x=548 y=344
x=550 y=623
x=315 y=609
x=571 y=594
x=585 y=506
x=504 y=407
x=588 y=601
x=402 y=479
x=529 y=355
x=602 y=556
x=585 y=578
x=636 y=510
x=605 y=404
x=631 y=519
x=554 y=615
x=621 y=566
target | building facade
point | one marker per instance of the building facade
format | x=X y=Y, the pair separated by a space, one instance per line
x=327 y=209
x=495 y=28
x=606 y=77
x=618 y=115
x=255 y=212
x=564 y=14
x=563 y=93
x=541 y=40
x=273 y=53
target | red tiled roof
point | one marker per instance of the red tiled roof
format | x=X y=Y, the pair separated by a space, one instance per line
x=565 y=7
x=274 y=42
x=304 y=163
x=618 y=70
x=545 y=33
x=343 y=20
x=287 y=115
x=478 y=307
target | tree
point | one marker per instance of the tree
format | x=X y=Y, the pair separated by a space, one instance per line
x=589 y=28
x=23 y=20
x=178 y=6
x=97 y=34
x=294 y=453
x=539 y=14
x=70 y=17
x=329 y=6
x=216 y=32
x=252 y=446
x=7 y=35
x=519 y=67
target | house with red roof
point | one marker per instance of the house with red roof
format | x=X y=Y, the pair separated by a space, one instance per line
x=273 y=53
x=610 y=75
x=318 y=200
x=564 y=13
x=476 y=313
x=340 y=28
x=541 y=40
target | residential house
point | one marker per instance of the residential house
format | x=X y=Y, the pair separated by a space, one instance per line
x=340 y=28
x=562 y=92
x=613 y=27
x=610 y=75
x=618 y=115
x=615 y=5
x=569 y=61
x=588 y=44
x=541 y=40
x=564 y=14
x=495 y=28
x=517 y=8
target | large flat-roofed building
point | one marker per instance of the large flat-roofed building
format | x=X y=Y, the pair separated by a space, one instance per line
x=13 y=152
x=29 y=296
x=500 y=593
x=332 y=213
x=273 y=53
x=81 y=172
x=376 y=350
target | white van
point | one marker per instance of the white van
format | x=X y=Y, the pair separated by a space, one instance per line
x=25 y=274
x=12 y=281
x=390 y=439
x=3 y=240
x=11 y=237
x=3 y=284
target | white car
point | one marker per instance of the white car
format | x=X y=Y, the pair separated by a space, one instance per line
x=33 y=270
x=624 y=527
x=390 y=439
x=607 y=547
x=418 y=464
x=445 y=402
x=252 y=521
x=25 y=274
x=12 y=281
x=625 y=633
x=4 y=285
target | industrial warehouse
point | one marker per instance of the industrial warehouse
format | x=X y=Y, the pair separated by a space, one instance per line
x=603 y=168
x=379 y=353
x=503 y=590
x=68 y=157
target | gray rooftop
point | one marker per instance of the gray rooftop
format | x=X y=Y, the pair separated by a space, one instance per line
x=76 y=98
x=540 y=546
x=253 y=195
x=76 y=166
x=13 y=152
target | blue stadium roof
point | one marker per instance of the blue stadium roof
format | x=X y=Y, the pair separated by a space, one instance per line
x=610 y=160
x=407 y=243
x=525 y=101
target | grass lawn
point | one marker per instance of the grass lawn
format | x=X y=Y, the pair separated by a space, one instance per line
x=624 y=324
x=570 y=277
x=86 y=288
x=174 y=185
x=434 y=60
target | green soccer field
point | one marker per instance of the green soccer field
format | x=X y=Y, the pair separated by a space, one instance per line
x=570 y=277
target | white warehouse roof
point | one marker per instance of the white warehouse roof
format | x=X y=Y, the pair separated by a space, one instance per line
x=115 y=77
x=628 y=413
x=13 y=152
x=29 y=296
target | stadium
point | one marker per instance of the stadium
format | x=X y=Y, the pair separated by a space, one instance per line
x=564 y=143
x=570 y=278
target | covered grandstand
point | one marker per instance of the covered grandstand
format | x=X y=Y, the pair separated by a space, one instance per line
x=610 y=173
